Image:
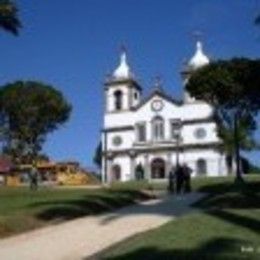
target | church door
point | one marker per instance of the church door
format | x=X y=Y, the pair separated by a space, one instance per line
x=158 y=169
x=116 y=173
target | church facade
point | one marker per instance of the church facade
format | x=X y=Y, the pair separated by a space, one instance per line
x=147 y=137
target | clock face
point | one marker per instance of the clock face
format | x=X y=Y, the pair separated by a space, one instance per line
x=157 y=105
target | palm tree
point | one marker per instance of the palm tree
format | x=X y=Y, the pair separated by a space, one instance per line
x=244 y=134
x=8 y=17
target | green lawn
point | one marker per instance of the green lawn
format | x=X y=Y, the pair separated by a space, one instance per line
x=22 y=209
x=227 y=226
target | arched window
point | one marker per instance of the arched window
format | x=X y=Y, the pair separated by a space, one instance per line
x=201 y=167
x=118 y=95
x=116 y=173
x=158 y=128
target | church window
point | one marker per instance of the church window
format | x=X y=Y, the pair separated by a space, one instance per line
x=118 y=99
x=175 y=128
x=141 y=132
x=136 y=95
x=158 y=129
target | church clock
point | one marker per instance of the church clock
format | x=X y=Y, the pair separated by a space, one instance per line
x=157 y=105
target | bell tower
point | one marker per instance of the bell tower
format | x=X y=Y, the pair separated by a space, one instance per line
x=122 y=92
x=198 y=60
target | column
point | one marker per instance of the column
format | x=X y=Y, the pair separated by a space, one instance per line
x=109 y=167
x=103 y=170
x=132 y=155
x=109 y=170
x=147 y=167
x=168 y=165
x=132 y=167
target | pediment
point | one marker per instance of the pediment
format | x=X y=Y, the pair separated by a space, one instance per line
x=157 y=100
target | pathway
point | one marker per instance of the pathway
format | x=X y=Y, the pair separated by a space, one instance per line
x=86 y=236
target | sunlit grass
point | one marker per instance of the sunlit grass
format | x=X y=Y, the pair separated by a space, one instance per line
x=22 y=209
x=227 y=226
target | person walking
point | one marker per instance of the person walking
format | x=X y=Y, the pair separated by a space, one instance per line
x=33 y=177
x=179 y=179
x=187 y=178
x=171 y=185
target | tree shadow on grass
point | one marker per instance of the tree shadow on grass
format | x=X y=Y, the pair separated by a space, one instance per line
x=248 y=187
x=90 y=204
x=225 y=201
x=168 y=206
x=228 y=200
x=243 y=221
x=219 y=248
x=230 y=195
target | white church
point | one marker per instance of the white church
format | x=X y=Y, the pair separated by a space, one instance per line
x=145 y=137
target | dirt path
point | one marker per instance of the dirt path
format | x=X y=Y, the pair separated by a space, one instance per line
x=84 y=237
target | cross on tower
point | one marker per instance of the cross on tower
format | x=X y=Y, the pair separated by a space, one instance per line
x=197 y=35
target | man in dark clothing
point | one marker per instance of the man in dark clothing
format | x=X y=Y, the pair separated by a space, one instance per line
x=179 y=179
x=171 y=181
x=187 y=178
x=33 y=178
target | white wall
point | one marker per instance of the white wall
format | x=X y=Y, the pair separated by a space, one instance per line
x=188 y=133
x=169 y=112
x=128 y=138
x=124 y=163
x=215 y=161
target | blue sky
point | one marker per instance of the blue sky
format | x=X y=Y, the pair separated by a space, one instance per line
x=74 y=44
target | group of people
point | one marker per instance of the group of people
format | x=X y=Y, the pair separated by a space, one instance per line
x=180 y=179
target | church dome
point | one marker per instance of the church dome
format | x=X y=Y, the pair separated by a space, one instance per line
x=123 y=71
x=199 y=59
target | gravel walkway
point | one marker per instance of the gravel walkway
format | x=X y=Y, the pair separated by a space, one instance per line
x=86 y=236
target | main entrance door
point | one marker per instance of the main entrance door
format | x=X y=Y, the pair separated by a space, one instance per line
x=158 y=168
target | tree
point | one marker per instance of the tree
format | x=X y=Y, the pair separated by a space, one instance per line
x=32 y=110
x=8 y=17
x=98 y=155
x=245 y=136
x=253 y=168
x=232 y=87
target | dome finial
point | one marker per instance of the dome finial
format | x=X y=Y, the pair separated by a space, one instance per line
x=199 y=59
x=199 y=45
x=158 y=83
x=123 y=71
x=123 y=58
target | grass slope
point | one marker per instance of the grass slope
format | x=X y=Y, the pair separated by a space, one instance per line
x=22 y=209
x=226 y=227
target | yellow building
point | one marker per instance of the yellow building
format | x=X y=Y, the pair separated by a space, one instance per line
x=60 y=173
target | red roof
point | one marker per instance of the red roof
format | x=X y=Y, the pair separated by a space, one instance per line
x=5 y=165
